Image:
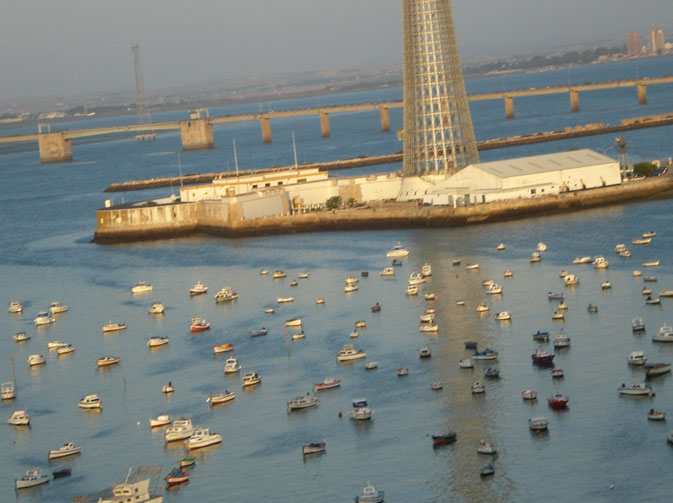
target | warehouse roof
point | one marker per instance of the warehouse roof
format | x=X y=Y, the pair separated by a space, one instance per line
x=544 y=163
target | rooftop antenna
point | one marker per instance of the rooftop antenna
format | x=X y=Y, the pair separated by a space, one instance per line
x=294 y=149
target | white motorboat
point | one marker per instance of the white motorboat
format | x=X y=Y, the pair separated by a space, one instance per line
x=652 y=301
x=416 y=278
x=15 y=307
x=637 y=324
x=641 y=241
x=34 y=360
x=370 y=495
x=426 y=270
x=132 y=492
x=57 y=307
x=264 y=272
x=387 y=271
x=43 y=318
x=486 y=354
x=68 y=449
x=327 y=383
x=600 y=262
x=302 y=275
x=293 y=322
x=279 y=273
x=429 y=328
x=427 y=318
x=361 y=410
x=348 y=352
x=508 y=273
x=620 y=248
x=65 y=350
x=646 y=291
x=636 y=358
x=19 y=418
x=486 y=448
x=471 y=267
x=298 y=335
x=351 y=280
x=180 y=429
x=106 y=361
x=425 y=352
x=494 y=289
x=156 y=308
x=161 y=420
x=157 y=341
x=251 y=379
x=269 y=310
x=90 y=402
x=648 y=234
x=411 y=290
x=226 y=294
x=541 y=247
x=666 y=293
x=477 y=388
x=7 y=391
x=403 y=371
x=529 y=394
x=284 y=300
x=538 y=423
x=231 y=366
x=625 y=253
x=219 y=398
x=202 y=438
x=436 y=386
x=651 y=263
x=465 y=363
x=198 y=289
x=319 y=301
x=500 y=247
x=56 y=344
x=563 y=273
x=430 y=296
x=606 y=285
x=557 y=315
x=302 y=402
x=571 y=279
x=32 y=478
x=398 y=252
x=665 y=334
x=360 y=324
x=503 y=316
x=562 y=341
x=637 y=389
x=141 y=287
x=351 y=287
x=114 y=326
x=637 y=273
x=582 y=260
x=535 y=257
x=167 y=388
x=482 y=308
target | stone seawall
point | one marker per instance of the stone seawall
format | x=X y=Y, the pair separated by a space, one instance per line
x=208 y=219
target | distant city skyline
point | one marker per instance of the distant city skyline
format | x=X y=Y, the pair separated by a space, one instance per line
x=77 y=47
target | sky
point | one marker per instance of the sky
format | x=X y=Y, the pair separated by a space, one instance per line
x=73 y=47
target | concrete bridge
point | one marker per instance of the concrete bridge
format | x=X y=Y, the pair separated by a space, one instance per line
x=197 y=133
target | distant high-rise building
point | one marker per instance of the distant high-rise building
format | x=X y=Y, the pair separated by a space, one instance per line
x=634 y=44
x=438 y=133
x=656 y=41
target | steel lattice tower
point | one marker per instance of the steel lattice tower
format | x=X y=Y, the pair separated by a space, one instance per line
x=438 y=133
x=141 y=100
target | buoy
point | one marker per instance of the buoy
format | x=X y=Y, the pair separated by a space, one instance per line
x=612 y=486
x=138 y=424
x=340 y=414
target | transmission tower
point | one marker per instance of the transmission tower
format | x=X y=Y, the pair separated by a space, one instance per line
x=141 y=100
x=438 y=133
x=625 y=165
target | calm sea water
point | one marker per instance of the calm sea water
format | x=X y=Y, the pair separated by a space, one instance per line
x=602 y=440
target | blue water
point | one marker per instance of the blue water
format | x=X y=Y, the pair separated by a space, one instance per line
x=602 y=440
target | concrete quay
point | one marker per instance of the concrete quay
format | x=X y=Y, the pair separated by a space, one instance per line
x=132 y=223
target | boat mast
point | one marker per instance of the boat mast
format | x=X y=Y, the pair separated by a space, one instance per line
x=180 y=169
x=294 y=149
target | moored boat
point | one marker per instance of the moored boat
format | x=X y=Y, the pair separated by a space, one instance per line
x=43 y=318
x=313 y=448
x=106 y=361
x=348 y=352
x=652 y=301
x=387 y=271
x=32 y=478
x=57 y=307
x=477 y=388
x=541 y=335
x=21 y=336
x=222 y=348
x=529 y=394
x=582 y=260
x=15 y=307
x=111 y=326
x=398 y=252
x=636 y=358
x=486 y=354
x=656 y=369
x=293 y=322
x=637 y=324
x=465 y=363
x=156 y=308
x=157 y=341
x=176 y=476
x=65 y=350
x=641 y=241
x=327 y=383
x=187 y=461
x=218 y=398
x=651 y=263
x=636 y=389
x=251 y=379
x=538 y=423
x=161 y=420
x=7 y=391
x=665 y=334
x=198 y=289
x=198 y=324
x=557 y=374
x=535 y=257
x=558 y=401
x=542 y=357
x=654 y=415
x=226 y=294
x=360 y=410
x=68 y=449
x=35 y=360
x=302 y=402
x=19 y=418
x=141 y=287
x=90 y=402
x=231 y=366
x=503 y=316
x=279 y=273
x=370 y=495
x=489 y=448
x=482 y=308
x=202 y=438
x=180 y=429
x=439 y=440
x=402 y=371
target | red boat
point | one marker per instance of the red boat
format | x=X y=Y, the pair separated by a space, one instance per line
x=376 y=308
x=176 y=476
x=199 y=325
x=327 y=383
x=558 y=401
x=542 y=357
x=439 y=440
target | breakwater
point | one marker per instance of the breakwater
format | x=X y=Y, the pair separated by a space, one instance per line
x=224 y=218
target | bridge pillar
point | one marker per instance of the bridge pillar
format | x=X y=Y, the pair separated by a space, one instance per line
x=509 y=107
x=642 y=94
x=266 y=129
x=574 y=101
x=196 y=134
x=54 y=147
x=385 y=120
x=324 y=125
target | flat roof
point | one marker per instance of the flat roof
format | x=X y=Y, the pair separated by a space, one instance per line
x=544 y=163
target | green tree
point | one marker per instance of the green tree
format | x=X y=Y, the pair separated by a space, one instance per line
x=333 y=202
x=643 y=168
x=351 y=202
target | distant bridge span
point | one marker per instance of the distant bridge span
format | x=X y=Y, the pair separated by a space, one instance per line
x=198 y=133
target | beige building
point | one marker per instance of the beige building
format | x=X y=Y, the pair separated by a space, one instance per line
x=634 y=44
x=656 y=41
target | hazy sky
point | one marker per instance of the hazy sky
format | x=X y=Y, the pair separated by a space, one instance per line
x=68 y=47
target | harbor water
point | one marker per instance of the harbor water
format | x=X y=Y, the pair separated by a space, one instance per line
x=602 y=448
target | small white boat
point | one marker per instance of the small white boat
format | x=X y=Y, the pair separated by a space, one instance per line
x=503 y=316
x=180 y=429
x=426 y=270
x=665 y=334
x=465 y=363
x=219 y=398
x=43 y=318
x=351 y=287
x=649 y=234
x=370 y=495
x=656 y=369
x=582 y=260
x=535 y=257
x=486 y=354
x=538 y=423
x=202 y=438
x=427 y=317
x=494 y=289
x=637 y=273
x=508 y=273
x=319 y=301
x=600 y=262
x=371 y=365
x=111 y=326
x=223 y=348
x=486 y=448
x=15 y=307
x=19 y=418
x=436 y=386
x=56 y=344
x=416 y=278
x=167 y=388
x=529 y=394
x=641 y=241
x=231 y=366
x=348 y=352
x=425 y=352
x=625 y=253
x=65 y=350
x=361 y=410
x=279 y=273
x=57 y=307
x=637 y=324
x=106 y=361
x=541 y=247
x=482 y=308
x=666 y=293
x=477 y=388
x=302 y=275
x=636 y=389
x=398 y=252
x=651 y=263
x=7 y=391
x=411 y=290
x=313 y=448
x=562 y=341
x=141 y=287
x=161 y=420
x=327 y=383
x=68 y=449
x=620 y=248
x=471 y=267
x=653 y=301
x=264 y=272
x=198 y=289
x=557 y=315
x=403 y=371
x=34 y=360
x=563 y=273
x=269 y=310
x=251 y=379
x=90 y=402
x=388 y=271
x=562 y=306
x=571 y=279
x=298 y=335
x=360 y=324
x=500 y=247
x=32 y=478
x=156 y=308
x=351 y=280
x=293 y=322
x=636 y=358
x=226 y=294
x=429 y=328
x=302 y=402
x=158 y=341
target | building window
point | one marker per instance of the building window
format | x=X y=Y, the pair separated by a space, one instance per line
x=301 y=180
x=267 y=184
x=541 y=190
x=532 y=191
x=254 y=186
x=280 y=183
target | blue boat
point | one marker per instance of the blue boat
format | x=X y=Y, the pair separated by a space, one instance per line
x=541 y=335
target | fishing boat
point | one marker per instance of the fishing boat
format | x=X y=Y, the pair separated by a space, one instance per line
x=198 y=324
x=187 y=461
x=348 y=352
x=542 y=357
x=180 y=429
x=219 y=398
x=557 y=374
x=15 y=307
x=636 y=358
x=106 y=361
x=302 y=402
x=636 y=389
x=231 y=366
x=313 y=448
x=32 y=478
x=370 y=495
x=161 y=420
x=202 y=438
x=222 y=348
x=111 y=326
x=141 y=287
x=529 y=394
x=656 y=369
x=176 y=476
x=7 y=391
x=65 y=350
x=251 y=379
x=21 y=336
x=90 y=402
x=19 y=418
x=538 y=423
x=69 y=449
x=157 y=341
x=226 y=294
x=541 y=335
x=558 y=401
x=440 y=440
x=198 y=289
x=57 y=307
x=156 y=308
x=279 y=273
x=327 y=383
x=398 y=252
x=360 y=410
x=387 y=271
x=654 y=415
x=35 y=360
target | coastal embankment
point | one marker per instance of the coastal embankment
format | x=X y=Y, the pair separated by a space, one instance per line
x=136 y=223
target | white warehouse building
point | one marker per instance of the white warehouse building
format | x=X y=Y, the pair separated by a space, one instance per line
x=520 y=178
